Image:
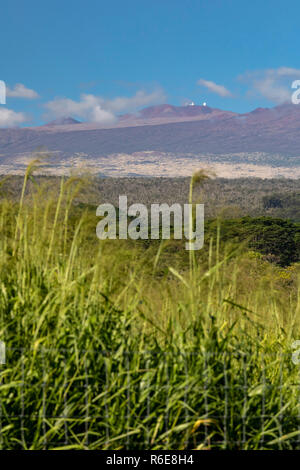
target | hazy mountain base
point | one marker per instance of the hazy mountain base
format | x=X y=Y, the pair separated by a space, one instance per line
x=157 y=163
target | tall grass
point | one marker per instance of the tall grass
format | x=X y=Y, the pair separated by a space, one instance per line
x=121 y=344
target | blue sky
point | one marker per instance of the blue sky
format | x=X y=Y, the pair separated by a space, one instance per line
x=98 y=59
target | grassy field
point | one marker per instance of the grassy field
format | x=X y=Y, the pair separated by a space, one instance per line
x=130 y=344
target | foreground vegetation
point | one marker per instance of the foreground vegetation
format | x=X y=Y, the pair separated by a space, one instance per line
x=135 y=344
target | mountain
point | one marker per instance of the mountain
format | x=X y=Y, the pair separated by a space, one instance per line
x=165 y=113
x=263 y=136
x=63 y=122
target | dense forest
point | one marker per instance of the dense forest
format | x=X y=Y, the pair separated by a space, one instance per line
x=222 y=197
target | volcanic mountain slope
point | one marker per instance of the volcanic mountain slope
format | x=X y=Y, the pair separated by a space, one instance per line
x=64 y=121
x=197 y=130
x=167 y=113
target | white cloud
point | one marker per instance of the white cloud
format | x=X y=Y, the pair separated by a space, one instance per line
x=98 y=109
x=21 y=91
x=141 y=98
x=272 y=84
x=9 y=118
x=214 y=87
x=89 y=107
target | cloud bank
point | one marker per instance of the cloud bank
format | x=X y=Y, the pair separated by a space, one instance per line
x=9 y=118
x=272 y=84
x=98 y=109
